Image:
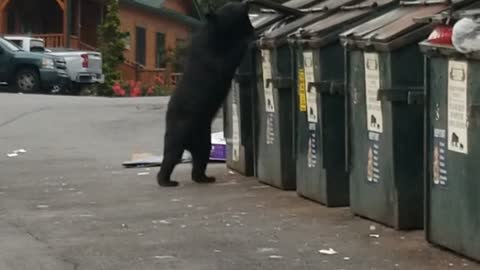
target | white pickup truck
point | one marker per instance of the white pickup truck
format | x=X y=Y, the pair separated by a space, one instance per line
x=84 y=67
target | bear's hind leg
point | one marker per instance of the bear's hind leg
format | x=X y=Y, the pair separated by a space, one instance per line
x=200 y=149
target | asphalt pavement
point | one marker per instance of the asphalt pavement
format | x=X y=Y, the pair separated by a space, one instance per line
x=67 y=203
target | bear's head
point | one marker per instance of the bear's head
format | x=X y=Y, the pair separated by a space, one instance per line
x=231 y=21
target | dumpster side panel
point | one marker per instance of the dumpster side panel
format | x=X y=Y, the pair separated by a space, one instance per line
x=238 y=119
x=287 y=101
x=407 y=70
x=332 y=114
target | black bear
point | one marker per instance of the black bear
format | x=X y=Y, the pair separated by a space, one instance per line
x=214 y=54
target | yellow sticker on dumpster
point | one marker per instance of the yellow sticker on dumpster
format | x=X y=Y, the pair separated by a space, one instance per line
x=302 y=97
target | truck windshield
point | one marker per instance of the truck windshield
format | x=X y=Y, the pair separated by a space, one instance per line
x=8 y=45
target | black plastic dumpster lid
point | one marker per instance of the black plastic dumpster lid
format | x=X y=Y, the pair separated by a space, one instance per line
x=277 y=35
x=340 y=20
x=397 y=25
x=265 y=19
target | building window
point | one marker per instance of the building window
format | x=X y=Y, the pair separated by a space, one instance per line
x=161 y=53
x=141 y=45
x=180 y=51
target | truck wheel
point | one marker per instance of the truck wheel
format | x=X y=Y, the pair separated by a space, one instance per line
x=27 y=81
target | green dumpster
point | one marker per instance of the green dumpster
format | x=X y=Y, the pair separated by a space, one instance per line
x=277 y=98
x=238 y=111
x=453 y=150
x=385 y=115
x=320 y=137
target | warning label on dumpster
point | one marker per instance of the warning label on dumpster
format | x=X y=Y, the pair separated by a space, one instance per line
x=312 y=110
x=457 y=107
x=372 y=85
x=373 y=167
x=439 y=161
x=235 y=122
x=312 y=145
x=267 y=81
x=302 y=98
x=270 y=132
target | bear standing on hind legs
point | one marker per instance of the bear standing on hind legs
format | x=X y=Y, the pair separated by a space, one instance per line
x=214 y=54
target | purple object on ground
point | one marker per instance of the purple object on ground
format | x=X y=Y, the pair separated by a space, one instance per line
x=219 y=148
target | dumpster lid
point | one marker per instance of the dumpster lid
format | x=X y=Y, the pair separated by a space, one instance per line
x=264 y=19
x=287 y=26
x=471 y=11
x=397 y=25
x=345 y=16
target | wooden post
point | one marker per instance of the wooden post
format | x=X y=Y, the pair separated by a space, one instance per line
x=3 y=15
x=67 y=19
x=78 y=23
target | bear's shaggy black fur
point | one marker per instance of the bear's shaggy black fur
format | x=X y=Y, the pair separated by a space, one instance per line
x=214 y=54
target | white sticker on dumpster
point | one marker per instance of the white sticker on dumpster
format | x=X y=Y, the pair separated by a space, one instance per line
x=267 y=81
x=235 y=123
x=312 y=111
x=372 y=85
x=457 y=106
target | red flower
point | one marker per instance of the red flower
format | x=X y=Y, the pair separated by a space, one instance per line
x=150 y=91
x=118 y=90
x=159 y=79
x=135 y=92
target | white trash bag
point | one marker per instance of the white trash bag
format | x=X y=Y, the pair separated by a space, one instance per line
x=466 y=35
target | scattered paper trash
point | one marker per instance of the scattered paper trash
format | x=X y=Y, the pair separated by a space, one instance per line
x=375 y=235
x=163 y=221
x=275 y=257
x=372 y=228
x=217 y=251
x=15 y=153
x=346 y=258
x=329 y=251
x=150 y=160
x=218 y=153
x=164 y=257
x=143 y=173
x=267 y=250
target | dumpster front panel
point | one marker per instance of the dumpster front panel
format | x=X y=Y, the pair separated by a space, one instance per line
x=371 y=193
x=275 y=160
x=309 y=159
x=454 y=155
x=320 y=161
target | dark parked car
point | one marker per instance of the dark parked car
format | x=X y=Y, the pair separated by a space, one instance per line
x=30 y=72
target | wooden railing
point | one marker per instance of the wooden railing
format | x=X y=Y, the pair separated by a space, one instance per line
x=52 y=40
